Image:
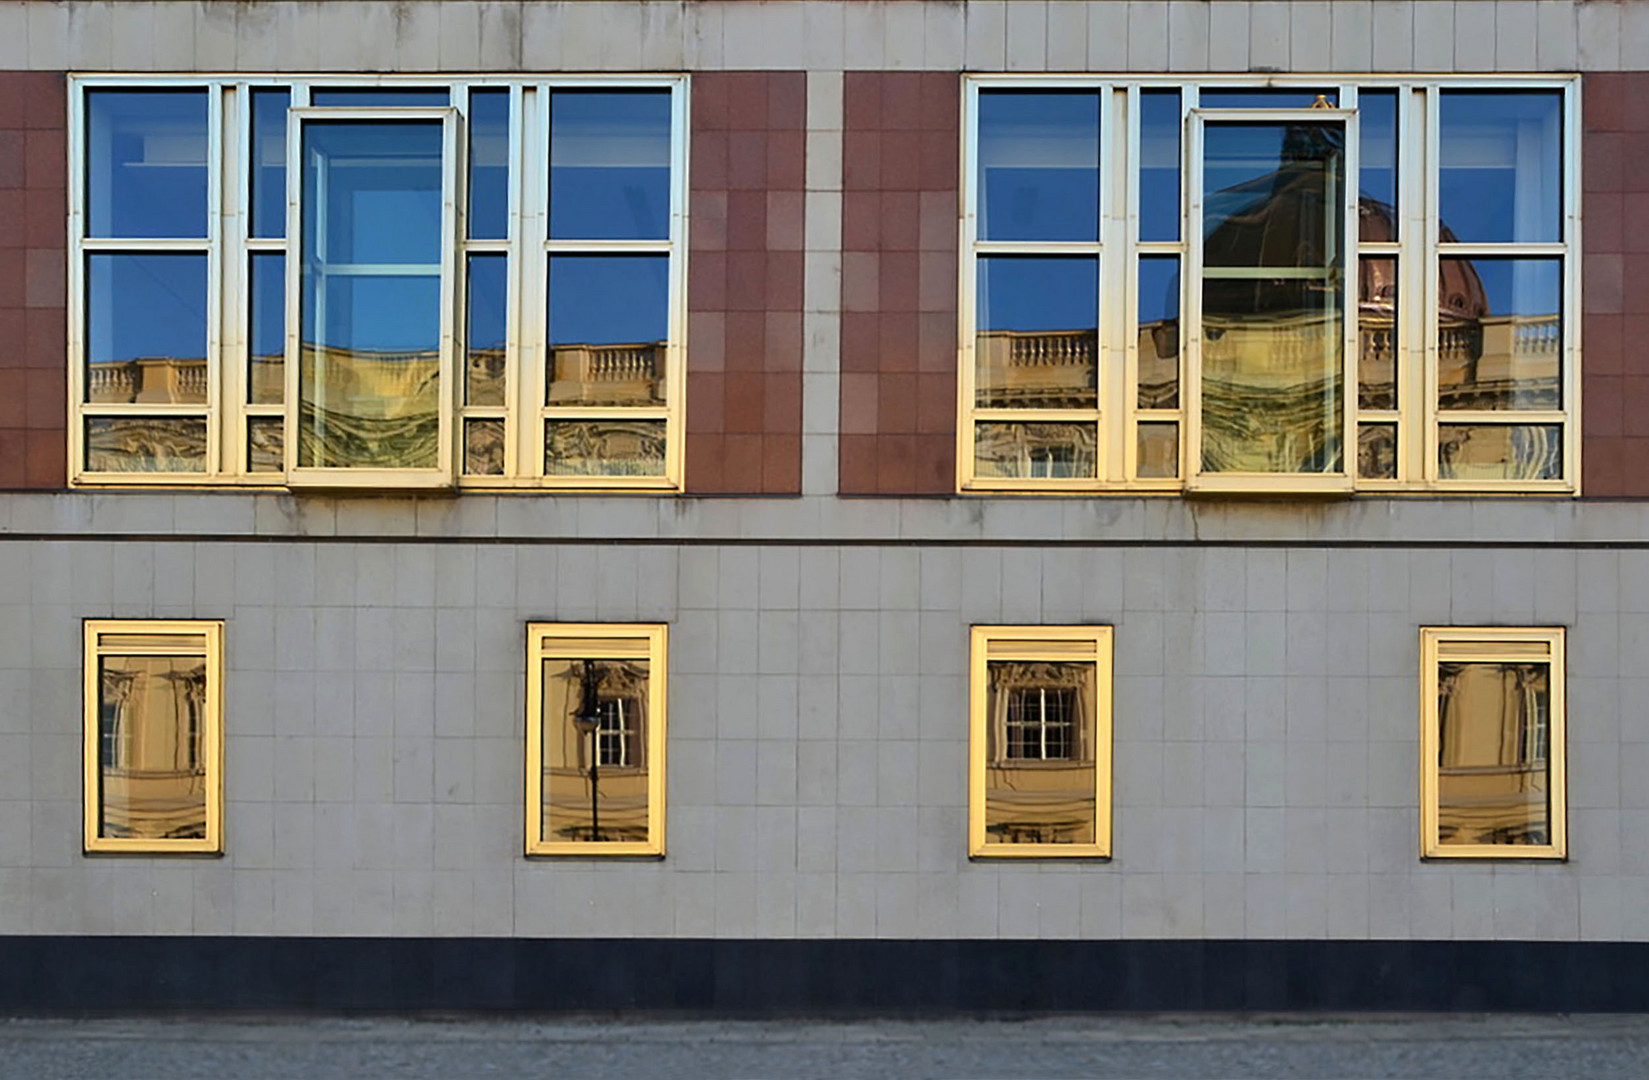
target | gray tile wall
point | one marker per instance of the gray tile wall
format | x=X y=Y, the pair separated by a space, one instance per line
x=1266 y=738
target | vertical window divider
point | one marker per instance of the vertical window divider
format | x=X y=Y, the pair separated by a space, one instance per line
x=1571 y=359
x=1426 y=307
x=968 y=287
x=239 y=147
x=675 y=349
x=1128 y=324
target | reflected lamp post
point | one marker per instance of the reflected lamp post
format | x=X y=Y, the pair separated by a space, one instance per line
x=588 y=721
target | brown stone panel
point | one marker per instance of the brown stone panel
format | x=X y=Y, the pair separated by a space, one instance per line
x=899 y=235
x=1615 y=287
x=33 y=280
x=745 y=269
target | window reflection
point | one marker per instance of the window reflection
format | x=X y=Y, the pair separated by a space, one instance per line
x=610 y=165
x=144 y=444
x=1273 y=297
x=594 y=763
x=484 y=382
x=489 y=188
x=151 y=751
x=610 y=447
x=1161 y=120
x=1038 y=165
x=269 y=162
x=1500 y=178
x=146 y=329
x=1035 y=451
x=1269 y=97
x=609 y=321
x=1377 y=333
x=1500 y=333
x=146 y=163
x=1500 y=451
x=1377 y=151
x=266 y=332
x=1159 y=331
x=1038 y=340
x=1493 y=760
x=379 y=98
x=1040 y=780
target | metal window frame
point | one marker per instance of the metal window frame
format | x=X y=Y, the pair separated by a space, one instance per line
x=1489 y=644
x=649 y=641
x=93 y=631
x=1417 y=415
x=1098 y=641
x=229 y=248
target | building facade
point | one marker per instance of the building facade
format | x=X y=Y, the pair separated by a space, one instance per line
x=824 y=504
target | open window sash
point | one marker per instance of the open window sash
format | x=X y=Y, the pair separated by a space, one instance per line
x=372 y=217
x=1271 y=327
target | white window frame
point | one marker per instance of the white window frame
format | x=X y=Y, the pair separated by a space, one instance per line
x=1417 y=249
x=228 y=246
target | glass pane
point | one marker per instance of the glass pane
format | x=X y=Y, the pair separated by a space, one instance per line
x=146 y=329
x=617 y=447
x=152 y=747
x=1500 y=334
x=489 y=164
x=146 y=163
x=369 y=373
x=265 y=444
x=1273 y=298
x=1038 y=340
x=1377 y=451
x=1034 y=451
x=484 y=448
x=1269 y=97
x=1038 y=165
x=1158 y=451
x=488 y=312
x=1160 y=124
x=595 y=750
x=610 y=165
x=372 y=97
x=1377 y=163
x=609 y=321
x=1159 y=293
x=1500 y=451
x=160 y=444
x=1493 y=753
x=269 y=162
x=266 y=332
x=1040 y=777
x=1501 y=174
x=1376 y=333
x=151 y=643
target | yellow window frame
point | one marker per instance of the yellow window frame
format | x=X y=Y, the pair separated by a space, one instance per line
x=1064 y=643
x=641 y=641
x=1484 y=644
x=97 y=633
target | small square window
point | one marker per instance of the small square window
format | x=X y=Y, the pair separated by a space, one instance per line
x=154 y=736
x=1040 y=764
x=1492 y=782
x=595 y=739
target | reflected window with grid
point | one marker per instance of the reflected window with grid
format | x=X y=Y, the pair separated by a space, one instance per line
x=1041 y=723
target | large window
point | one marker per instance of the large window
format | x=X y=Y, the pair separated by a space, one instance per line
x=1296 y=286
x=1492 y=743
x=595 y=739
x=384 y=283
x=1040 y=769
x=153 y=736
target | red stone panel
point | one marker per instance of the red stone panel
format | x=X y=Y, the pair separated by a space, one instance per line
x=33 y=280
x=746 y=180
x=901 y=168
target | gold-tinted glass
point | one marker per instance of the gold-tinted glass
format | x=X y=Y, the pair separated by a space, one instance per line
x=1500 y=333
x=1159 y=331
x=1376 y=333
x=616 y=447
x=1040 y=763
x=1377 y=451
x=1494 y=753
x=1011 y=450
x=1273 y=298
x=607 y=374
x=1158 y=455
x=484 y=448
x=152 y=755
x=1500 y=451
x=266 y=444
x=595 y=750
x=130 y=444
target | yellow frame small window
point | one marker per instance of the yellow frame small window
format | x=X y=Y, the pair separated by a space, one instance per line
x=153 y=738
x=1039 y=762
x=1493 y=778
x=595 y=738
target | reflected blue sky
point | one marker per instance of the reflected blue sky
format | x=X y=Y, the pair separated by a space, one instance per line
x=1377 y=151
x=145 y=306
x=1159 y=290
x=1272 y=97
x=489 y=188
x=608 y=299
x=1520 y=286
x=1037 y=293
x=610 y=165
x=267 y=332
x=1161 y=124
x=1500 y=178
x=488 y=301
x=269 y=162
x=370 y=97
x=146 y=163
x=1038 y=165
